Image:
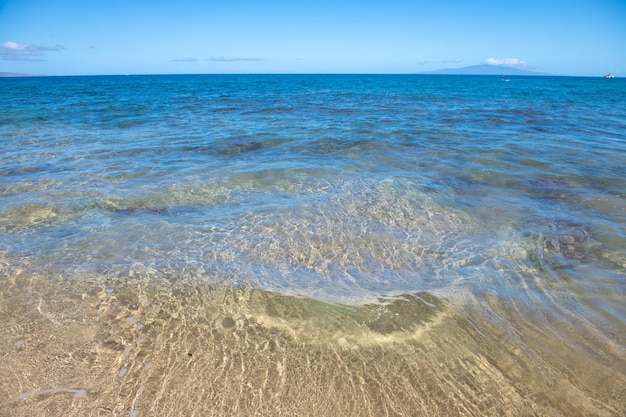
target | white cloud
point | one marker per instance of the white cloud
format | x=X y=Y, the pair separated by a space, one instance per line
x=12 y=51
x=506 y=62
x=189 y=59
x=232 y=59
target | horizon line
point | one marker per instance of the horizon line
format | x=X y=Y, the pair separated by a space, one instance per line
x=429 y=73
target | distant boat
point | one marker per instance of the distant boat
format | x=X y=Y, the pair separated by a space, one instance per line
x=609 y=75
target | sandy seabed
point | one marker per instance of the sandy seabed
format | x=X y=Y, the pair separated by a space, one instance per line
x=148 y=347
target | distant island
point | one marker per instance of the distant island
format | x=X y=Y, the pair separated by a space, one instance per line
x=484 y=69
x=16 y=74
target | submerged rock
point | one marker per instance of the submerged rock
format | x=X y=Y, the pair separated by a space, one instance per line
x=234 y=148
x=551 y=189
x=238 y=148
x=570 y=240
x=141 y=209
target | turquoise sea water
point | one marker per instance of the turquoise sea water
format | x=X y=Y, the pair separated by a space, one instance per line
x=345 y=189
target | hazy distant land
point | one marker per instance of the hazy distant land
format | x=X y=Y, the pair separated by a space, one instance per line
x=484 y=70
x=16 y=74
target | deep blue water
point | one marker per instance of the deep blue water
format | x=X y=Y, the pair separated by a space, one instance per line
x=340 y=187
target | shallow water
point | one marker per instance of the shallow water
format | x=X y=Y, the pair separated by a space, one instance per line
x=328 y=245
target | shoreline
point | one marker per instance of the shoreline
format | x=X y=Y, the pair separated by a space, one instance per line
x=136 y=347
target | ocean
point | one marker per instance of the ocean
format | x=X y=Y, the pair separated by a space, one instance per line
x=384 y=245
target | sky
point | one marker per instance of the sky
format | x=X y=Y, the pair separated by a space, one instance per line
x=88 y=37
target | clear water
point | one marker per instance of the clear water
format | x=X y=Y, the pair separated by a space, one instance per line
x=495 y=209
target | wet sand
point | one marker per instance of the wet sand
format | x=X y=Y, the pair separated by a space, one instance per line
x=153 y=346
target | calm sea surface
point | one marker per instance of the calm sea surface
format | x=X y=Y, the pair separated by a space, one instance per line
x=449 y=244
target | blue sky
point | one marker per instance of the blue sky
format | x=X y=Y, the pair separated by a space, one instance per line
x=81 y=37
